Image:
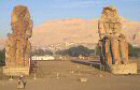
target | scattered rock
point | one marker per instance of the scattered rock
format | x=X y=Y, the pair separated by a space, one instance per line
x=83 y=80
x=57 y=75
x=71 y=72
x=100 y=75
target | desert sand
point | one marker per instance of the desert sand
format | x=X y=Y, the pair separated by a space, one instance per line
x=67 y=75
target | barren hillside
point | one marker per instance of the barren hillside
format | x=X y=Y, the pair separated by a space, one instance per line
x=78 y=31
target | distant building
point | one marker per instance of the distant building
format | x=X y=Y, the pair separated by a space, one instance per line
x=135 y=45
x=46 y=57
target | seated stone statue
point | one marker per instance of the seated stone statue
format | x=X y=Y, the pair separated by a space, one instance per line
x=112 y=44
x=18 y=46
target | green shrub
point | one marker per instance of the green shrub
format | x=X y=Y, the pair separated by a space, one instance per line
x=41 y=52
x=77 y=51
x=134 y=51
x=2 y=57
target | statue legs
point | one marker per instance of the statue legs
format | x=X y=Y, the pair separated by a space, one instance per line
x=107 y=52
x=101 y=52
x=20 y=51
x=123 y=50
x=10 y=51
x=27 y=52
x=115 y=50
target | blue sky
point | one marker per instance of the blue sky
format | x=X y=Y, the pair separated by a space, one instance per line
x=47 y=10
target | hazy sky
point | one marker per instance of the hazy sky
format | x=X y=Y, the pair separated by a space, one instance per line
x=46 y=10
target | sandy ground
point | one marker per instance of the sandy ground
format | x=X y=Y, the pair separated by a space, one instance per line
x=67 y=75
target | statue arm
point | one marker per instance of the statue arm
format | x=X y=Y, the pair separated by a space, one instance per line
x=29 y=29
x=101 y=30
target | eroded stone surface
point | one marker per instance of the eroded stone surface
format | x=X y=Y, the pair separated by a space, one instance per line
x=18 y=45
x=113 y=44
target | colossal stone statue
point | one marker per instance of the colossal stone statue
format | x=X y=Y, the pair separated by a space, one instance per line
x=112 y=44
x=18 y=45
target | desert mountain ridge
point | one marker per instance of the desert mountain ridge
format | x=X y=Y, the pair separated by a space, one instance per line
x=77 y=31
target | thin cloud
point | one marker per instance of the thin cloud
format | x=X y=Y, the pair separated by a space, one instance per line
x=79 y=3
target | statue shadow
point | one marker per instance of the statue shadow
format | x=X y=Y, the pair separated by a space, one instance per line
x=94 y=64
x=91 y=63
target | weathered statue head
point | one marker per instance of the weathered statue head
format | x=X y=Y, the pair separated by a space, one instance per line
x=111 y=19
x=20 y=13
x=110 y=12
x=21 y=21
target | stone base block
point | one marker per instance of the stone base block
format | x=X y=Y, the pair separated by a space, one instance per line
x=130 y=68
x=16 y=71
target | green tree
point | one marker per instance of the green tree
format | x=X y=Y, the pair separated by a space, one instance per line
x=77 y=51
x=134 y=51
x=2 y=57
x=41 y=52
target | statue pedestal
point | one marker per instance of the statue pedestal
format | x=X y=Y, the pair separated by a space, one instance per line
x=130 y=68
x=16 y=70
